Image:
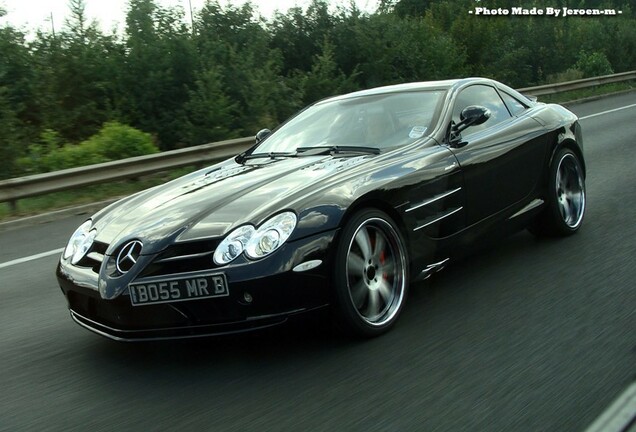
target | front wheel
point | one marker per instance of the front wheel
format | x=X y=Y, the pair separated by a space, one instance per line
x=566 y=197
x=371 y=274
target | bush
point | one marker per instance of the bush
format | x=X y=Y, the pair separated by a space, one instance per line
x=593 y=64
x=117 y=141
x=571 y=74
x=114 y=141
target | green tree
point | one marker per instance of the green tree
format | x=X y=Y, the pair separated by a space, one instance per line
x=265 y=97
x=232 y=41
x=621 y=40
x=17 y=79
x=391 y=50
x=80 y=77
x=209 y=111
x=299 y=35
x=412 y=8
x=325 y=77
x=9 y=137
x=159 y=67
x=74 y=77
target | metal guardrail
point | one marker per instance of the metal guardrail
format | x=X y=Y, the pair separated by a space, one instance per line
x=548 y=89
x=12 y=190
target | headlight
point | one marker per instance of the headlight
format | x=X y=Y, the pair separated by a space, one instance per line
x=271 y=235
x=256 y=243
x=80 y=242
x=233 y=245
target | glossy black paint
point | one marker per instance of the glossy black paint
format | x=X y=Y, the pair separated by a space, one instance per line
x=444 y=198
x=285 y=293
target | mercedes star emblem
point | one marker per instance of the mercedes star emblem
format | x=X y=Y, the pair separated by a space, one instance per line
x=128 y=256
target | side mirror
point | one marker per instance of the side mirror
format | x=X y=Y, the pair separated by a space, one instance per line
x=261 y=135
x=470 y=116
x=474 y=115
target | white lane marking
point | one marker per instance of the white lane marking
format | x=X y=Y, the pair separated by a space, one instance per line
x=619 y=415
x=31 y=258
x=607 y=112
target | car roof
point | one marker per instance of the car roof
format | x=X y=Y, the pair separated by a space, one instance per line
x=424 y=85
x=443 y=85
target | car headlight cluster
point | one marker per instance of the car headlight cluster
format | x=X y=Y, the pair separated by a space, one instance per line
x=256 y=243
x=80 y=242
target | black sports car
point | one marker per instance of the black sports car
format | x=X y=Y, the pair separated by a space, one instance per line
x=343 y=205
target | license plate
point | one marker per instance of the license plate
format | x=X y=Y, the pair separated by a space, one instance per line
x=178 y=289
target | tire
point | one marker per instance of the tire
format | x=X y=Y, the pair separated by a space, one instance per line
x=566 y=201
x=371 y=274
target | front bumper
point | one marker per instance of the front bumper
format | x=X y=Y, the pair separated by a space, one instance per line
x=275 y=292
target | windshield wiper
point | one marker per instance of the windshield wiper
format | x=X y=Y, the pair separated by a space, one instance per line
x=271 y=155
x=310 y=151
x=337 y=149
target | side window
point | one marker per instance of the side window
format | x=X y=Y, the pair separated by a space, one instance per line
x=515 y=106
x=485 y=96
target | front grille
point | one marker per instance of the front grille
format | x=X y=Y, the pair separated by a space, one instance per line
x=178 y=258
x=183 y=257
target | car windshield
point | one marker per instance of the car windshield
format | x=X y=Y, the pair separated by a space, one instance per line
x=376 y=121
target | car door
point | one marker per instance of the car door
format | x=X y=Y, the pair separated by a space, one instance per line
x=430 y=180
x=502 y=158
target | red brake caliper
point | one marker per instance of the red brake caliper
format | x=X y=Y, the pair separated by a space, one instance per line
x=382 y=261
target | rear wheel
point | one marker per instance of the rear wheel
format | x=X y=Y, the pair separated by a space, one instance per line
x=566 y=197
x=371 y=274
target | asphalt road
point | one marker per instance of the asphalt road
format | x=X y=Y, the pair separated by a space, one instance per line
x=527 y=336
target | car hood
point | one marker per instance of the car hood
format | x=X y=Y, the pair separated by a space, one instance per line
x=212 y=201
